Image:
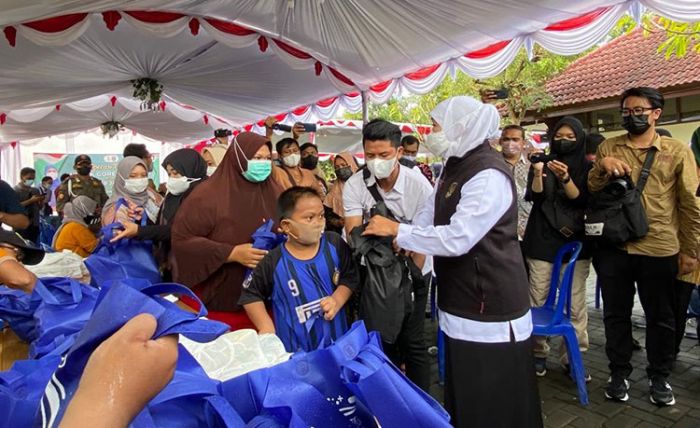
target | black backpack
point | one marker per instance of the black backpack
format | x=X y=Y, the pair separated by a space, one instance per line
x=615 y=215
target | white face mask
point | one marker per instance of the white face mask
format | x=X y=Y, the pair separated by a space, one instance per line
x=179 y=185
x=292 y=160
x=381 y=168
x=210 y=170
x=136 y=185
x=28 y=183
x=437 y=143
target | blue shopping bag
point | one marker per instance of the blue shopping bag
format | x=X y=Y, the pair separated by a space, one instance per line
x=191 y=399
x=264 y=238
x=126 y=258
x=391 y=397
x=21 y=388
x=17 y=310
x=305 y=391
x=51 y=316
x=118 y=303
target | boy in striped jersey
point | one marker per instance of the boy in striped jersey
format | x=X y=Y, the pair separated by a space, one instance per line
x=308 y=279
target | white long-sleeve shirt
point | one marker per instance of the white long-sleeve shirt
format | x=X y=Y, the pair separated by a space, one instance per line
x=484 y=200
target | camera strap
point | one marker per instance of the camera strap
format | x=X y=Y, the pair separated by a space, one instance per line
x=646 y=169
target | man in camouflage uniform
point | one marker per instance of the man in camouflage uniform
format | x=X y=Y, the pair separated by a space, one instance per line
x=81 y=184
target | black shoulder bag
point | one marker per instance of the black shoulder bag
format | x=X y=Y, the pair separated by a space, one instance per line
x=615 y=215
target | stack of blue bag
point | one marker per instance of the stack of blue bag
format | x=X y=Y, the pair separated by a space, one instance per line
x=347 y=383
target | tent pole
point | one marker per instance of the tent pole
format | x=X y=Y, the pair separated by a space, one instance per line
x=365 y=112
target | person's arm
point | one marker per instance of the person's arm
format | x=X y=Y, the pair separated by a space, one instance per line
x=14 y=275
x=352 y=203
x=689 y=210
x=258 y=291
x=477 y=212
x=154 y=232
x=537 y=184
x=15 y=221
x=122 y=375
x=33 y=199
x=348 y=279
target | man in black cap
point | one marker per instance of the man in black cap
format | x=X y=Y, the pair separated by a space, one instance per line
x=81 y=184
x=15 y=252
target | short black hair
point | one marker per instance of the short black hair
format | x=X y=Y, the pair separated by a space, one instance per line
x=138 y=150
x=307 y=145
x=592 y=143
x=652 y=95
x=409 y=140
x=512 y=127
x=64 y=177
x=47 y=178
x=283 y=143
x=287 y=202
x=664 y=132
x=26 y=171
x=380 y=129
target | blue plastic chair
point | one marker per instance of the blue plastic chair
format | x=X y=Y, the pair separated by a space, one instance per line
x=554 y=317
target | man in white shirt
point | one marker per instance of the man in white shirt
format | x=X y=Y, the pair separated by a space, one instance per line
x=403 y=190
x=470 y=227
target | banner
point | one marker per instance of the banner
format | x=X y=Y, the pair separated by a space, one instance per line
x=104 y=167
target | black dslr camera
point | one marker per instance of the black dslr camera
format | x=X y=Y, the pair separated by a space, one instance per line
x=619 y=186
x=222 y=133
x=541 y=157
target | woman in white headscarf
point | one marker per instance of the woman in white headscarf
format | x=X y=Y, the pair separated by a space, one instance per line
x=470 y=227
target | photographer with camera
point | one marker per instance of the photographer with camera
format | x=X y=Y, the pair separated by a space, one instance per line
x=557 y=188
x=222 y=135
x=671 y=219
x=290 y=173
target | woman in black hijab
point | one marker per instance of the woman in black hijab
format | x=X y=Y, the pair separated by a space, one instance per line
x=186 y=169
x=558 y=190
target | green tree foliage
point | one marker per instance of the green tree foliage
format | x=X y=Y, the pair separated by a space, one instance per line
x=681 y=37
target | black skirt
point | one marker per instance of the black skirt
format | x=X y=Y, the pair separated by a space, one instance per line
x=491 y=385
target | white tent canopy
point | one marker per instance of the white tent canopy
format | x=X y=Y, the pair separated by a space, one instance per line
x=174 y=123
x=243 y=59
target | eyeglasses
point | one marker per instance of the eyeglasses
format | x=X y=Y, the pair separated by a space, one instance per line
x=637 y=111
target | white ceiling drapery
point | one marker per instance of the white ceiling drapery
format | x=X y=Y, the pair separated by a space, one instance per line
x=243 y=59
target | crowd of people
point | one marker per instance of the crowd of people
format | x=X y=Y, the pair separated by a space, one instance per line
x=486 y=229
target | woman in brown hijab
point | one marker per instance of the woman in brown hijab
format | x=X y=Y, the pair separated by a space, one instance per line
x=345 y=166
x=211 y=234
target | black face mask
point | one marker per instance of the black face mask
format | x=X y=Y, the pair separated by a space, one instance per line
x=91 y=219
x=309 y=162
x=636 y=125
x=84 y=170
x=344 y=173
x=408 y=163
x=562 y=146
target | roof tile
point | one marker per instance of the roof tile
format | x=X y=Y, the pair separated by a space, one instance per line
x=627 y=61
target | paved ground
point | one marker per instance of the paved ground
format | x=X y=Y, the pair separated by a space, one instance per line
x=558 y=393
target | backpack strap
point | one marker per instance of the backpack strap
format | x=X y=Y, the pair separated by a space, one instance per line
x=373 y=188
x=646 y=169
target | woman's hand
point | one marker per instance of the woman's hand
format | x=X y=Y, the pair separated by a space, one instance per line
x=246 y=255
x=560 y=169
x=130 y=231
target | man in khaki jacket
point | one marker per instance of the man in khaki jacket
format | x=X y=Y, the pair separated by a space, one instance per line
x=673 y=214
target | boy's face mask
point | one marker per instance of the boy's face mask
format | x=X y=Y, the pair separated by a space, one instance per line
x=304 y=233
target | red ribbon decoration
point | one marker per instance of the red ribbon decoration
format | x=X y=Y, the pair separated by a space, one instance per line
x=11 y=35
x=111 y=19
x=194 y=26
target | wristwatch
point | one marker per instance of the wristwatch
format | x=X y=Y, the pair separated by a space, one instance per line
x=566 y=180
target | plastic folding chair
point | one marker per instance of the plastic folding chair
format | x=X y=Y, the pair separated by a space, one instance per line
x=554 y=317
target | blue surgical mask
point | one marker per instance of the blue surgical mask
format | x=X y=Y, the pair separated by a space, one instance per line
x=28 y=183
